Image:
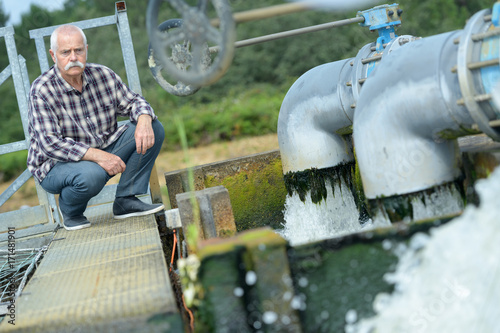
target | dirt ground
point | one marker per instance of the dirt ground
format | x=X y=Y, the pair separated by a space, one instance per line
x=167 y=161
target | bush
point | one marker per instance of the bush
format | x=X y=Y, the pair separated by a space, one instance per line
x=12 y=164
x=238 y=114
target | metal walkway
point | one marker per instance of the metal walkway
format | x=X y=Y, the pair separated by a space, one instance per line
x=111 y=277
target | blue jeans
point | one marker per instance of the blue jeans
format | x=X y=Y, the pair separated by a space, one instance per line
x=77 y=182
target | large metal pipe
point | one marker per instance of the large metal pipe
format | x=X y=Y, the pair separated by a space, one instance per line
x=412 y=108
x=316 y=116
x=409 y=100
x=312 y=111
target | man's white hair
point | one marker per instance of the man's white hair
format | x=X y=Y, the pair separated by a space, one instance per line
x=53 y=38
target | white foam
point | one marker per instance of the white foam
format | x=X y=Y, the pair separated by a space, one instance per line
x=443 y=201
x=450 y=281
x=307 y=222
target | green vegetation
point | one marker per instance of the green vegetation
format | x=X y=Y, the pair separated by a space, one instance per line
x=12 y=164
x=257 y=196
x=399 y=208
x=315 y=181
x=250 y=112
x=246 y=101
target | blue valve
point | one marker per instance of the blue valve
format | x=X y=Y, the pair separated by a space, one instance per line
x=495 y=15
x=384 y=19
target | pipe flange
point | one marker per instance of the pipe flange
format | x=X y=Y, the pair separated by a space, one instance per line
x=465 y=56
x=367 y=59
x=360 y=70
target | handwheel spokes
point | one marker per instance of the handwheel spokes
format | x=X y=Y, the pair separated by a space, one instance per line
x=197 y=54
x=190 y=62
x=202 y=6
x=171 y=38
x=213 y=35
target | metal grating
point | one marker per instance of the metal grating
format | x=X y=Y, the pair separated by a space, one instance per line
x=98 y=278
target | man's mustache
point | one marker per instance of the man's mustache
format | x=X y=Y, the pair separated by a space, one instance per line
x=73 y=64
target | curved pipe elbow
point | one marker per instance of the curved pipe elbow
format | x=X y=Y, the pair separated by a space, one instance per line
x=317 y=105
x=409 y=100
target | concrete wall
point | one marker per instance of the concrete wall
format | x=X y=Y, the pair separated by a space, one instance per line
x=255 y=184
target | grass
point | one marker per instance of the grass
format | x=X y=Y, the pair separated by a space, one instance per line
x=253 y=112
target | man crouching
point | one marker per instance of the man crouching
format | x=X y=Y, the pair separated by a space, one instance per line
x=76 y=145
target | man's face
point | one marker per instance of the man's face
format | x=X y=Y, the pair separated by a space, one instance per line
x=71 y=55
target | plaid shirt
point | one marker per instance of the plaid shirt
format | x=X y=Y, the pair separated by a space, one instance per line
x=64 y=123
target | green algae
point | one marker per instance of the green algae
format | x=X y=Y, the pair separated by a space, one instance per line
x=452 y=134
x=314 y=181
x=344 y=130
x=400 y=208
x=257 y=196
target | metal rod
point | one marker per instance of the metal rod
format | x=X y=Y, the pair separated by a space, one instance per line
x=16 y=185
x=484 y=35
x=477 y=98
x=480 y=36
x=481 y=64
x=374 y=48
x=495 y=123
x=290 y=33
x=262 y=13
x=478 y=64
x=367 y=60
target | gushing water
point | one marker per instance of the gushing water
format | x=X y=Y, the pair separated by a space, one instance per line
x=444 y=200
x=448 y=281
x=336 y=215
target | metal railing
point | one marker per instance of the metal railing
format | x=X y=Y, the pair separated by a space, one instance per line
x=42 y=213
x=43 y=216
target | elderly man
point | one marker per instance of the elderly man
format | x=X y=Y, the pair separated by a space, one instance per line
x=76 y=145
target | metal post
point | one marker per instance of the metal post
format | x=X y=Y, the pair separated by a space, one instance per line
x=19 y=72
x=127 y=47
x=19 y=87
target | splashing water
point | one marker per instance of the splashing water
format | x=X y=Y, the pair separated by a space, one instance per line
x=442 y=202
x=336 y=215
x=445 y=200
x=448 y=281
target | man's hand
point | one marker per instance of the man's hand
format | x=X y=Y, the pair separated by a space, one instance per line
x=111 y=163
x=144 y=135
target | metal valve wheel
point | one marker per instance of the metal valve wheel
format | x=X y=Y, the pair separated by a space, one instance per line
x=180 y=89
x=183 y=53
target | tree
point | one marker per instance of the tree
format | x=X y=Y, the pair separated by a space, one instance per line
x=3 y=17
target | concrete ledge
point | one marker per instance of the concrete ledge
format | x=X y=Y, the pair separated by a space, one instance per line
x=177 y=181
x=215 y=218
x=256 y=279
x=246 y=279
x=255 y=184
